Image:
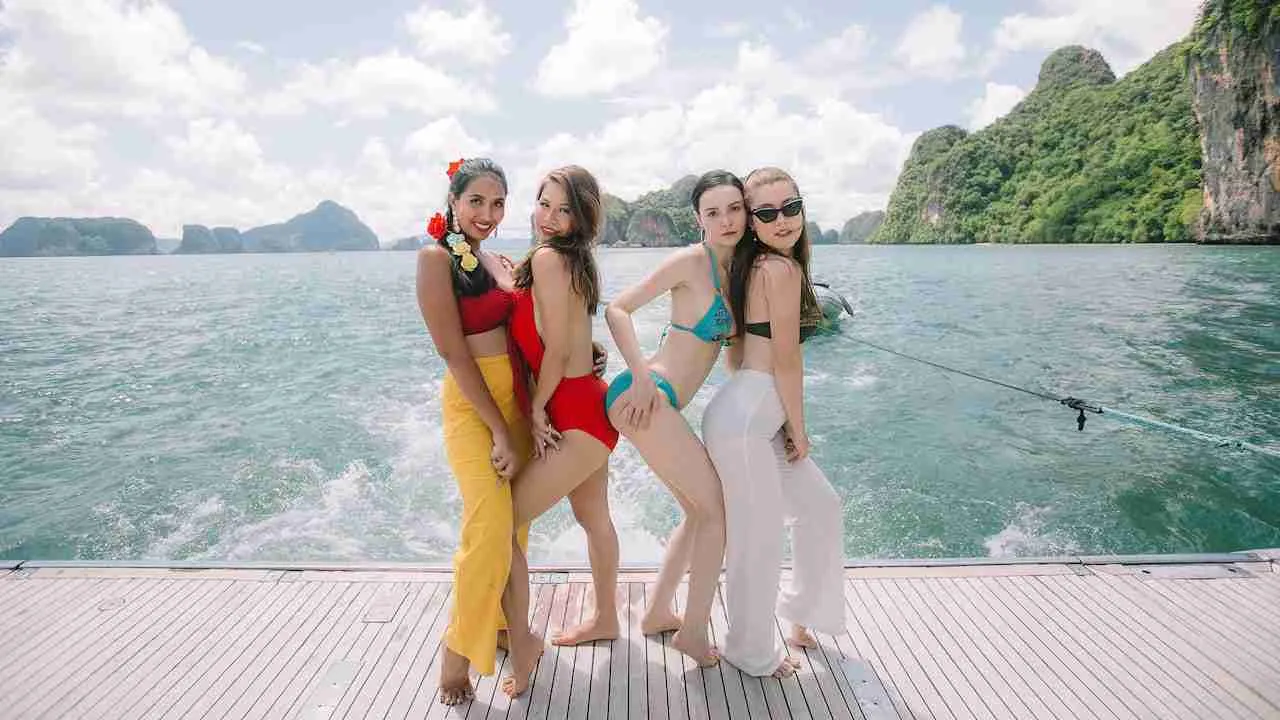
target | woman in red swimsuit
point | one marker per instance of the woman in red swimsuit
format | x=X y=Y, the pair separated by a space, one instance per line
x=557 y=292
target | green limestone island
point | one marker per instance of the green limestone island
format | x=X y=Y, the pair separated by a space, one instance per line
x=1184 y=148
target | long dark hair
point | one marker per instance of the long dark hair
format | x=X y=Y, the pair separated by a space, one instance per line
x=478 y=281
x=751 y=247
x=585 y=206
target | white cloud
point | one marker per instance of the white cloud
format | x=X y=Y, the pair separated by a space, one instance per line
x=1126 y=33
x=111 y=56
x=476 y=37
x=996 y=101
x=36 y=154
x=845 y=160
x=250 y=46
x=443 y=141
x=931 y=43
x=373 y=86
x=609 y=45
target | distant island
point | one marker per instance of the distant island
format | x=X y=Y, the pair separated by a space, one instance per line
x=329 y=227
x=1184 y=148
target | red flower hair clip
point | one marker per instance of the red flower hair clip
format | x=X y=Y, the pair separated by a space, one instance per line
x=453 y=167
x=436 y=228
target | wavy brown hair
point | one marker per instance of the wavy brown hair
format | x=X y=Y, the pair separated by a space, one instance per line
x=587 y=210
x=750 y=249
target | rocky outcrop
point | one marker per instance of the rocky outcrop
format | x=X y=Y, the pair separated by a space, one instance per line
x=1236 y=79
x=198 y=240
x=33 y=236
x=329 y=226
x=1083 y=158
x=652 y=228
x=413 y=242
x=860 y=227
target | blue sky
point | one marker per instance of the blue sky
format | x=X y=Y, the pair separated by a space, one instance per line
x=242 y=113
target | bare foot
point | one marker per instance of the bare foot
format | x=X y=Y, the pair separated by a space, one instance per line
x=787 y=668
x=597 y=628
x=656 y=622
x=524 y=654
x=503 y=643
x=697 y=648
x=455 y=684
x=801 y=637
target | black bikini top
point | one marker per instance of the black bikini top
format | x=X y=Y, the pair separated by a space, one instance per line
x=765 y=331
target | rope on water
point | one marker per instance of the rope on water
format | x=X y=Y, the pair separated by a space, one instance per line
x=1081 y=406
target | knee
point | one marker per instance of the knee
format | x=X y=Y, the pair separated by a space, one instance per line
x=595 y=525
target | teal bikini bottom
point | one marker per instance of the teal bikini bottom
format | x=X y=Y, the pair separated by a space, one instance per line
x=621 y=383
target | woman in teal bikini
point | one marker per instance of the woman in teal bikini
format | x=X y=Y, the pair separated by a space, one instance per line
x=651 y=420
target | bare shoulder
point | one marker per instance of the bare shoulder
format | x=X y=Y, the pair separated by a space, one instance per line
x=778 y=269
x=433 y=255
x=546 y=261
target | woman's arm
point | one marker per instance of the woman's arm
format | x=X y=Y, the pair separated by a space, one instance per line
x=781 y=286
x=440 y=312
x=669 y=273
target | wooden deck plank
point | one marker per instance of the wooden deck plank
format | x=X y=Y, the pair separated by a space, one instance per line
x=609 y=690
x=220 y=687
x=1092 y=642
x=1170 y=654
x=963 y=669
x=397 y=642
x=55 y=667
x=38 y=613
x=151 y=679
x=44 y=633
x=637 y=658
x=193 y=675
x=900 y=668
x=573 y=692
x=1143 y=682
x=655 y=671
x=854 y=648
x=1258 y=639
x=674 y=667
x=744 y=696
x=124 y=673
x=316 y=659
x=1049 y=669
x=1132 y=644
x=991 y=656
x=1243 y=684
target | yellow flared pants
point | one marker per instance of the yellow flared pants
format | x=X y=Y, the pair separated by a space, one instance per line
x=483 y=559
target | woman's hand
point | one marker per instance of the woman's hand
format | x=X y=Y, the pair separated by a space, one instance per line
x=504 y=457
x=797 y=447
x=545 y=437
x=639 y=401
x=599 y=359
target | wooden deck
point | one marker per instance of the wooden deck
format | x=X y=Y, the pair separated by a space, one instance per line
x=1075 y=638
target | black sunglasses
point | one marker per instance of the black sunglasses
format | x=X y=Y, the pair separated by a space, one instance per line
x=790 y=209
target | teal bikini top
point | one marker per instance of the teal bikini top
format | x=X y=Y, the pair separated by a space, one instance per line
x=716 y=322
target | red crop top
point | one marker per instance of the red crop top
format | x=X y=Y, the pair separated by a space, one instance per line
x=482 y=313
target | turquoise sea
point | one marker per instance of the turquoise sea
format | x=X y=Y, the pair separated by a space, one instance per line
x=285 y=407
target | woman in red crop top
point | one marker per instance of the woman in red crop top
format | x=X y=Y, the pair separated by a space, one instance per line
x=466 y=299
x=557 y=291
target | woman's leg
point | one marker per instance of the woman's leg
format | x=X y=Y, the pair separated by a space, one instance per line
x=483 y=556
x=738 y=427
x=590 y=502
x=676 y=456
x=539 y=486
x=815 y=596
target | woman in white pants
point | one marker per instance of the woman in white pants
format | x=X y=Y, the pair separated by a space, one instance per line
x=755 y=433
